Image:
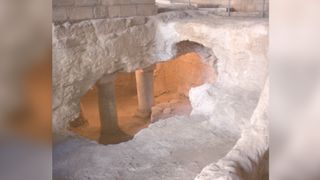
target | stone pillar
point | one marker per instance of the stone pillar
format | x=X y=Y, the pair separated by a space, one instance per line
x=107 y=106
x=144 y=80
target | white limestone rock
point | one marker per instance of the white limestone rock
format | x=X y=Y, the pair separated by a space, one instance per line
x=166 y=150
x=248 y=160
x=217 y=103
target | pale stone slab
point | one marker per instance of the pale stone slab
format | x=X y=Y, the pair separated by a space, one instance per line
x=63 y=2
x=101 y=12
x=59 y=14
x=80 y=13
x=86 y=2
x=114 y=11
x=146 y=10
x=128 y=10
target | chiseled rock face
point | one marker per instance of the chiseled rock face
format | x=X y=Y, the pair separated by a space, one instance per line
x=84 y=51
x=229 y=108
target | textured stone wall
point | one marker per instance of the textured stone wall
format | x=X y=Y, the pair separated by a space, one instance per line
x=207 y=2
x=182 y=73
x=237 y=5
x=250 y=5
x=248 y=159
x=76 y=10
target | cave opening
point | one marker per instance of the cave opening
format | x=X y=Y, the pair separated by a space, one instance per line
x=170 y=83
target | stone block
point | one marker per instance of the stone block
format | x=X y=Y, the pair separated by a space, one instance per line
x=110 y=2
x=59 y=14
x=128 y=10
x=81 y=13
x=62 y=3
x=100 y=12
x=146 y=10
x=86 y=2
x=145 y=2
x=114 y=11
x=126 y=2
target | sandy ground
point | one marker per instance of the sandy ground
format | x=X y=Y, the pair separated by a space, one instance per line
x=127 y=105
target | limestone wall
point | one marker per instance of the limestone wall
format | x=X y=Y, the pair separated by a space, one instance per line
x=181 y=74
x=250 y=5
x=237 y=5
x=76 y=10
x=202 y=2
x=248 y=159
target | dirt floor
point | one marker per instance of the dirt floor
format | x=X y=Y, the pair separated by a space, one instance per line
x=127 y=106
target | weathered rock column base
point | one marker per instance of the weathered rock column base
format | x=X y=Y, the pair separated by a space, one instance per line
x=144 y=80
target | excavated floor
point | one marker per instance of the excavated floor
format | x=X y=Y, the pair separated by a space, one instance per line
x=166 y=150
x=167 y=105
x=174 y=148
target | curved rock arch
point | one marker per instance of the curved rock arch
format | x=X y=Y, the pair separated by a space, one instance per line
x=207 y=55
